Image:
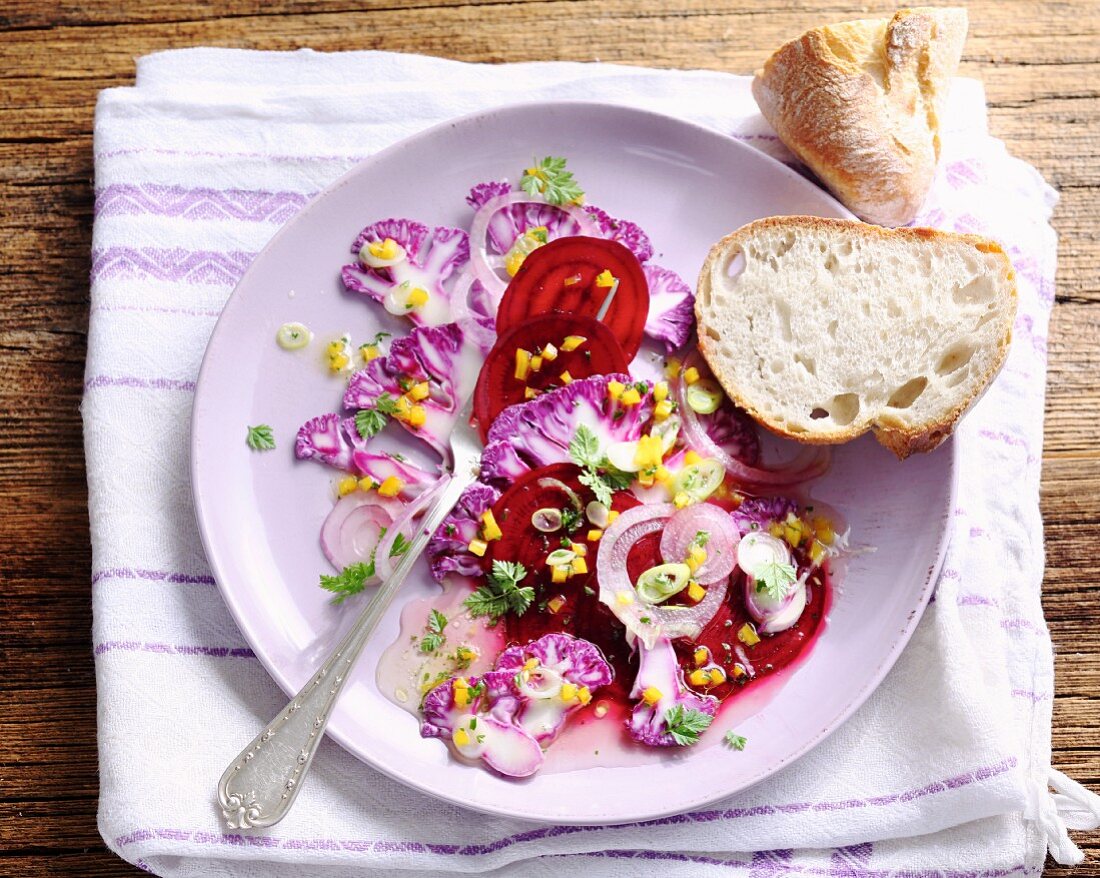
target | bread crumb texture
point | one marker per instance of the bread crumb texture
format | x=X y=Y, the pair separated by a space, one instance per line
x=824 y=329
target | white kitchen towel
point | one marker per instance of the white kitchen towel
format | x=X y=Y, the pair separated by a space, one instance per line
x=946 y=767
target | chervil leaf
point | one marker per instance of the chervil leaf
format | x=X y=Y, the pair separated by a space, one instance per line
x=431 y=642
x=584 y=448
x=385 y=404
x=261 y=438
x=685 y=725
x=591 y=479
x=400 y=545
x=369 y=422
x=502 y=592
x=552 y=181
x=616 y=479
x=349 y=581
x=732 y=739
x=775 y=579
x=436 y=622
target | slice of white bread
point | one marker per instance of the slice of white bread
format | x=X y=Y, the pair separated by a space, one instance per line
x=823 y=329
x=860 y=103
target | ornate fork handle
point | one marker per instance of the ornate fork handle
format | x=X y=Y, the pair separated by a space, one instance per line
x=260 y=785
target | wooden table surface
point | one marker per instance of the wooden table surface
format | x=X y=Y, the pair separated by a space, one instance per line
x=1041 y=66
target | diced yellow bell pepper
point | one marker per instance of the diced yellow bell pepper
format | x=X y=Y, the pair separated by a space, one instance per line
x=615 y=389
x=417 y=417
x=672 y=367
x=568 y=692
x=817 y=551
x=555 y=604
x=559 y=573
x=594 y=534
x=346 y=485
x=612 y=515
x=417 y=297
x=369 y=352
x=391 y=486
x=747 y=634
x=701 y=656
x=366 y=483
x=691 y=375
x=490 y=530
x=695 y=591
x=420 y=391
x=523 y=364
x=651 y=695
x=660 y=391
x=536 y=363
x=338 y=362
x=717 y=676
x=565 y=377
x=579 y=566
x=699 y=678
x=549 y=353
x=691 y=458
x=461 y=737
x=530 y=664
x=681 y=500
x=662 y=410
x=572 y=342
x=478 y=547
x=584 y=695
x=630 y=396
x=605 y=279
x=529 y=393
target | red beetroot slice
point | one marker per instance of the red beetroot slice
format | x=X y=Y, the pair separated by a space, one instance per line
x=497 y=386
x=540 y=287
x=578 y=613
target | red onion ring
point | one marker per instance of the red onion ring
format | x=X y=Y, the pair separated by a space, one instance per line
x=482 y=262
x=350 y=531
x=811 y=461
x=672 y=622
x=721 y=548
x=403 y=525
x=463 y=315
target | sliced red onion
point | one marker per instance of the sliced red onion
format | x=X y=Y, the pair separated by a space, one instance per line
x=403 y=525
x=811 y=461
x=721 y=547
x=618 y=594
x=351 y=530
x=574 y=500
x=463 y=314
x=485 y=264
x=773 y=614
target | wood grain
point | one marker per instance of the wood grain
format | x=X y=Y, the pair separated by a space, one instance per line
x=1040 y=63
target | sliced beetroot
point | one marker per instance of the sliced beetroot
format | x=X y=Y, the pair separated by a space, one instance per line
x=561 y=276
x=497 y=385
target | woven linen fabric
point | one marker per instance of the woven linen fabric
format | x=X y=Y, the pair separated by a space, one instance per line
x=944 y=769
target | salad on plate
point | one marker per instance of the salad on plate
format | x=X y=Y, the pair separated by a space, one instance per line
x=627 y=562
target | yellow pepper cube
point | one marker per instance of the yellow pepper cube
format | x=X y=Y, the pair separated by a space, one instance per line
x=461 y=737
x=559 y=573
x=662 y=475
x=691 y=458
x=335 y=347
x=594 y=535
x=738 y=672
x=649 y=450
x=697 y=555
x=696 y=592
x=572 y=280
x=369 y=352
x=605 y=279
x=660 y=391
x=419 y=391
x=339 y=362
x=401 y=407
x=645 y=479
x=691 y=375
x=565 y=377
x=612 y=515
x=461 y=696
x=530 y=664
x=584 y=695
x=549 y=353
x=417 y=298
x=366 y=483
x=747 y=634
x=793 y=534
x=555 y=604
x=391 y=486
x=580 y=548
x=536 y=363
x=568 y=692
x=717 y=676
x=579 y=566
x=651 y=695
x=776 y=530
x=630 y=396
x=417 y=417
x=701 y=656
x=478 y=547
x=699 y=678
x=681 y=500
x=466 y=653
x=490 y=530
x=817 y=551
x=385 y=249
x=523 y=364
x=572 y=342
x=825 y=532
x=346 y=485
x=615 y=389
x=529 y=393
x=662 y=410
x=672 y=367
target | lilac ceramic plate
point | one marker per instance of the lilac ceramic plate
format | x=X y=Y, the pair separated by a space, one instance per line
x=260 y=514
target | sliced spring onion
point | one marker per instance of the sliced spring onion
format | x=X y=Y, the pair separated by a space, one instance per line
x=293 y=336
x=660 y=583
x=546 y=520
x=700 y=480
x=704 y=396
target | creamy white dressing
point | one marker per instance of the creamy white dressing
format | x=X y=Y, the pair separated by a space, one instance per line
x=293 y=336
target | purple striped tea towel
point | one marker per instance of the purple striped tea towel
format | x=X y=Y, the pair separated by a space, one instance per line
x=945 y=769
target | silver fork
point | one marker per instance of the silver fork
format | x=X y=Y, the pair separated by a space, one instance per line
x=260 y=785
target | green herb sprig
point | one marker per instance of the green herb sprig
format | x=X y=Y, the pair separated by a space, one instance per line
x=686 y=724
x=261 y=438
x=549 y=178
x=502 y=592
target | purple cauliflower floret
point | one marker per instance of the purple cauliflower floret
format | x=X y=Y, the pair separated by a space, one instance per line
x=428 y=353
x=483 y=192
x=448 y=550
x=671 y=317
x=756 y=513
x=484 y=728
x=658 y=669
x=536 y=433
x=629 y=234
x=334 y=440
x=733 y=430
x=430 y=259
x=578 y=661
